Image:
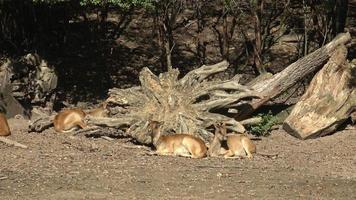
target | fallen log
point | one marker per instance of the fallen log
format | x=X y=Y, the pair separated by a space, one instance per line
x=280 y=82
x=327 y=102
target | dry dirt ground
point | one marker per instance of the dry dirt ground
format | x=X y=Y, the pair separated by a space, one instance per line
x=59 y=166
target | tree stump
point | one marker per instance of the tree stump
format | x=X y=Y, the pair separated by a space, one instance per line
x=186 y=105
x=327 y=102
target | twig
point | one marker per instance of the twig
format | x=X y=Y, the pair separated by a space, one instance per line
x=12 y=142
x=107 y=138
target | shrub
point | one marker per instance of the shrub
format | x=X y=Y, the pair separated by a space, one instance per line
x=265 y=126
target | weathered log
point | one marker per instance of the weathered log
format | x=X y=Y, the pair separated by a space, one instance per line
x=280 y=82
x=40 y=120
x=186 y=105
x=327 y=102
x=7 y=102
x=40 y=124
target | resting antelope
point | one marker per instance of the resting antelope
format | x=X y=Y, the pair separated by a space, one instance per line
x=238 y=144
x=99 y=111
x=4 y=126
x=177 y=144
x=215 y=148
x=69 y=120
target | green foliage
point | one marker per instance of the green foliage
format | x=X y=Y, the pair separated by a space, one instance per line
x=263 y=128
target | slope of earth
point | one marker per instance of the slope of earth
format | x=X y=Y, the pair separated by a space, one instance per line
x=58 y=166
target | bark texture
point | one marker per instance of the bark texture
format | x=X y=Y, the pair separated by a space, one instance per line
x=327 y=102
x=269 y=88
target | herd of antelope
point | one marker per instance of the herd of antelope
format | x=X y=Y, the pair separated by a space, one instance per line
x=186 y=145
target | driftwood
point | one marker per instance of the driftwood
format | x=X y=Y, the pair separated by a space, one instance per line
x=327 y=102
x=280 y=82
x=186 y=105
x=8 y=103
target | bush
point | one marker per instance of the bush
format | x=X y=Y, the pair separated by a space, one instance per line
x=263 y=128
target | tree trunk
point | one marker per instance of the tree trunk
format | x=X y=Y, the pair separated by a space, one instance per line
x=326 y=103
x=257 y=49
x=280 y=82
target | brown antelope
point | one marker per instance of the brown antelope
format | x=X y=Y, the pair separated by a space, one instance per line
x=99 y=111
x=4 y=126
x=215 y=148
x=69 y=120
x=238 y=144
x=177 y=144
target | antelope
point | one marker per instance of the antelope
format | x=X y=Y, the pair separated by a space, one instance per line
x=69 y=120
x=178 y=144
x=4 y=126
x=215 y=148
x=98 y=112
x=238 y=144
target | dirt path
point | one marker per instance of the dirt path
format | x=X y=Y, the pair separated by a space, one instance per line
x=62 y=167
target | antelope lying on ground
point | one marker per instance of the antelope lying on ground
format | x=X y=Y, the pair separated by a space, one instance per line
x=99 y=111
x=237 y=144
x=69 y=120
x=215 y=148
x=4 y=126
x=177 y=144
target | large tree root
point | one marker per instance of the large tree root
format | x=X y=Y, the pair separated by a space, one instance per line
x=186 y=105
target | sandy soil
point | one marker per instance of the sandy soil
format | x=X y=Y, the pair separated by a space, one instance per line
x=65 y=167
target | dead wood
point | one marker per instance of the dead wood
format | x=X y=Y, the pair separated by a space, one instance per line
x=280 y=82
x=193 y=104
x=8 y=103
x=40 y=120
x=327 y=102
x=251 y=121
x=186 y=105
x=12 y=142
